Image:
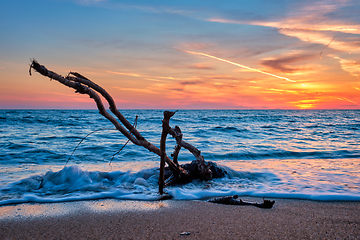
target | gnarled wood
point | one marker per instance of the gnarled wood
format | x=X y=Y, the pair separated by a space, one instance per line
x=165 y=131
x=179 y=173
x=80 y=88
x=203 y=167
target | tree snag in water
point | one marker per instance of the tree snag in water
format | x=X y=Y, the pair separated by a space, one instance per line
x=173 y=173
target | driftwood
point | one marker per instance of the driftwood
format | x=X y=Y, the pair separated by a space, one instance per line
x=174 y=172
x=233 y=200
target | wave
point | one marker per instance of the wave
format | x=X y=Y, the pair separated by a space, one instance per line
x=228 y=129
x=74 y=184
x=283 y=154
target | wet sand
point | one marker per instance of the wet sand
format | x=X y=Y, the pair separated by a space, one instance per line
x=117 y=219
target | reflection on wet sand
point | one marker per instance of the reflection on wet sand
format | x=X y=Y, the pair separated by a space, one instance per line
x=59 y=209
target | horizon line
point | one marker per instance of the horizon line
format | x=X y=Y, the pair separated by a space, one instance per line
x=216 y=109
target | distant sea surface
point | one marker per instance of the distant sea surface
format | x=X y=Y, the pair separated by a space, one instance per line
x=304 y=154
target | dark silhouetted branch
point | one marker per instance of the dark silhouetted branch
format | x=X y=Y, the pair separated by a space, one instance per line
x=198 y=169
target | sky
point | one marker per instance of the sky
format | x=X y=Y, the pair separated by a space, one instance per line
x=259 y=54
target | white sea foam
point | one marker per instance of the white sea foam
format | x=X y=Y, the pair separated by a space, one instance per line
x=74 y=184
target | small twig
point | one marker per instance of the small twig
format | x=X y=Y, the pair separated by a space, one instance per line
x=112 y=156
x=78 y=75
x=31 y=65
x=41 y=184
x=101 y=129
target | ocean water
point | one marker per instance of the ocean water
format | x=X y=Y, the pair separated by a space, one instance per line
x=304 y=154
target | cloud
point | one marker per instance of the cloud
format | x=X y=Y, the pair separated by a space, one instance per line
x=343 y=44
x=196 y=82
x=282 y=64
x=237 y=64
x=201 y=66
x=221 y=77
x=138 y=90
x=352 y=67
x=315 y=22
x=346 y=99
x=148 y=77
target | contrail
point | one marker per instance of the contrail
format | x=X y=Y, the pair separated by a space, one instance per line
x=239 y=65
x=327 y=46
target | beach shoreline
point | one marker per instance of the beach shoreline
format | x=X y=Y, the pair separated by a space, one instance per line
x=173 y=219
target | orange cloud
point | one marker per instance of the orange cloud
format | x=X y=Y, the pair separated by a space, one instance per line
x=352 y=67
x=201 y=66
x=323 y=38
x=138 y=90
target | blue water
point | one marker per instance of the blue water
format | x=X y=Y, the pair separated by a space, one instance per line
x=306 y=154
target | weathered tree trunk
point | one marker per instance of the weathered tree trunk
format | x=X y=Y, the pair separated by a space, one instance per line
x=165 y=132
x=178 y=173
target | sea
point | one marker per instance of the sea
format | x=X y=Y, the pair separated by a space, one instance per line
x=74 y=155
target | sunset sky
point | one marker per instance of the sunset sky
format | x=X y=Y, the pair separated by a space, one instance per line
x=259 y=54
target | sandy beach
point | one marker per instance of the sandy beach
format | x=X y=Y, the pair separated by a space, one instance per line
x=117 y=219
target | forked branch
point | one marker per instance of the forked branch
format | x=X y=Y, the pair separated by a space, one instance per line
x=179 y=172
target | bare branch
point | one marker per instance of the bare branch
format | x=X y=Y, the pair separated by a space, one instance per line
x=85 y=86
x=203 y=167
x=81 y=79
